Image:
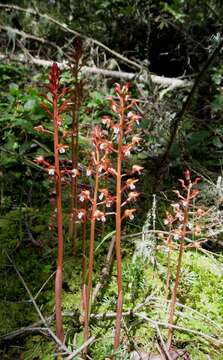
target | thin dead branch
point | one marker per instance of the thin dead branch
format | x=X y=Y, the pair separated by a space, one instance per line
x=90 y=341
x=44 y=321
x=181 y=328
x=25 y=35
x=67 y=29
x=186 y=105
x=105 y=271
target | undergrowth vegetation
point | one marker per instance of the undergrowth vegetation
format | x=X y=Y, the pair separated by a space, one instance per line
x=167 y=292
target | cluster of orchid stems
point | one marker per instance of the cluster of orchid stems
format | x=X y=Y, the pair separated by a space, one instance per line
x=113 y=190
x=183 y=225
x=55 y=105
x=112 y=145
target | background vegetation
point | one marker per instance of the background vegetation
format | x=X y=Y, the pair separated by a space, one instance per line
x=181 y=128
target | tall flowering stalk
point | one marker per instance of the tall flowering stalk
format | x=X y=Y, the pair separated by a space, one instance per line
x=180 y=226
x=90 y=210
x=96 y=164
x=77 y=99
x=83 y=262
x=54 y=109
x=112 y=144
x=126 y=121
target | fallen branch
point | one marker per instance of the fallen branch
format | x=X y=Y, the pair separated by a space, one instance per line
x=178 y=304
x=112 y=315
x=166 y=82
x=65 y=28
x=181 y=328
x=172 y=83
x=76 y=315
x=26 y=329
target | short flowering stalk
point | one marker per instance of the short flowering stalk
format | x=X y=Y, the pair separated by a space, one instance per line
x=81 y=215
x=106 y=205
x=91 y=257
x=169 y=245
x=91 y=250
x=181 y=214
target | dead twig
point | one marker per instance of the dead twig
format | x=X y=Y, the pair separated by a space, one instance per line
x=90 y=341
x=44 y=284
x=44 y=321
x=25 y=35
x=22 y=331
x=164 y=348
x=180 y=115
x=105 y=271
x=30 y=236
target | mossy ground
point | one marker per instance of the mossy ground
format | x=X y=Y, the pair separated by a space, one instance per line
x=201 y=289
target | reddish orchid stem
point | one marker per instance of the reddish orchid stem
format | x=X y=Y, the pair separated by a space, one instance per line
x=73 y=228
x=83 y=285
x=104 y=208
x=168 y=262
x=56 y=108
x=58 y=279
x=75 y=146
x=77 y=94
x=118 y=228
x=178 y=269
x=168 y=271
x=91 y=251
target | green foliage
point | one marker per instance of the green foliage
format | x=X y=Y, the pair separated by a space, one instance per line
x=165 y=34
x=39 y=349
x=14 y=223
x=134 y=281
x=217 y=103
x=201 y=276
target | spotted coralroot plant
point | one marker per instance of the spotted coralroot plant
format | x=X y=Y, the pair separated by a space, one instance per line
x=112 y=145
x=184 y=226
x=54 y=108
x=95 y=206
x=96 y=169
x=77 y=96
x=123 y=142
